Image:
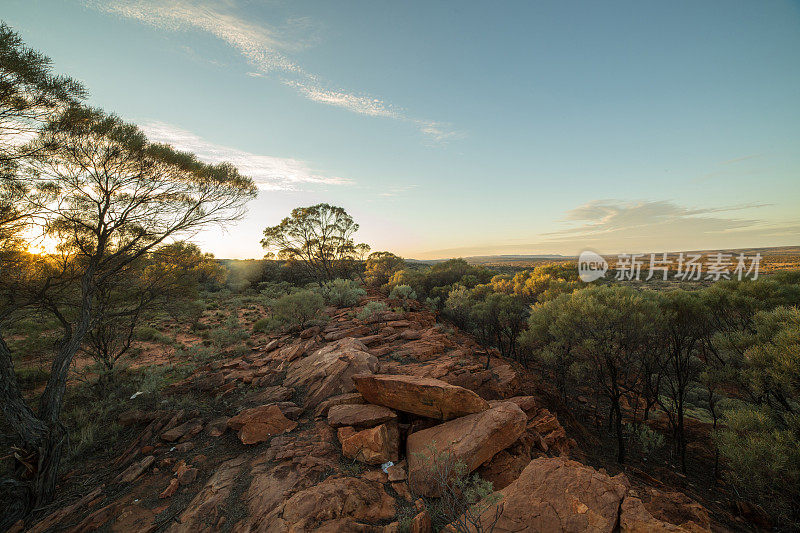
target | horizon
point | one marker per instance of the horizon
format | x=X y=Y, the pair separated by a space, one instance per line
x=464 y=131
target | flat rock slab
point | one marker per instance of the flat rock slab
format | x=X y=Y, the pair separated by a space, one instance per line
x=260 y=423
x=428 y=397
x=366 y=415
x=472 y=440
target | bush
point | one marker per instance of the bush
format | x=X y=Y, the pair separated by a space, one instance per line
x=295 y=310
x=404 y=293
x=463 y=499
x=647 y=439
x=342 y=293
x=370 y=310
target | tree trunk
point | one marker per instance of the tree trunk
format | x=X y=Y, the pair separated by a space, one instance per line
x=620 y=435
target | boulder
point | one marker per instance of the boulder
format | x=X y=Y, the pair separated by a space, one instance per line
x=335 y=504
x=185 y=430
x=373 y=446
x=556 y=494
x=359 y=415
x=261 y=423
x=473 y=439
x=428 y=397
x=329 y=371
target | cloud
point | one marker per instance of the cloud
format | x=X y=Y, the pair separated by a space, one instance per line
x=265 y=47
x=270 y=173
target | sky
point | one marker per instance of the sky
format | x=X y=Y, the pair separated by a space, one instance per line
x=451 y=129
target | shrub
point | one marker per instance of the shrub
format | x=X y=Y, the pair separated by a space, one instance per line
x=647 y=439
x=342 y=293
x=151 y=334
x=463 y=499
x=370 y=310
x=404 y=293
x=295 y=310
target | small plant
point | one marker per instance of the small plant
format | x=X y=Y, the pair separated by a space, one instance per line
x=292 y=311
x=648 y=440
x=463 y=498
x=370 y=310
x=342 y=293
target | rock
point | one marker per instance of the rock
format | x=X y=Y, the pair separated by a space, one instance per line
x=335 y=504
x=350 y=398
x=411 y=334
x=556 y=494
x=397 y=472
x=184 y=447
x=373 y=446
x=170 y=490
x=183 y=431
x=676 y=508
x=634 y=518
x=203 y=511
x=359 y=415
x=428 y=397
x=259 y=424
x=753 y=514
x=329 y=371
x=472 y=439
x=217 y=426
x=186 y=475
x=137 y=416
x=136 y=470
x=551 y=435
x=421 y=523
x=401 y=488
x=274 y=394
x=526 y=403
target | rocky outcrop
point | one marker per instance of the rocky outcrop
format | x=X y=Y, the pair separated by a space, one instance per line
x=329 y=371
x=428 y=397
x=472 y=439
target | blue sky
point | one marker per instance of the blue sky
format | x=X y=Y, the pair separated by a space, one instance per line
x=455 y=128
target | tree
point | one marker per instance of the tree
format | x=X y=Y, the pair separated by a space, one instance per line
x=109 y=197
x=604 y=329
x=380 y=268
x=321 y=236
x=681 y=329
x=165 y=279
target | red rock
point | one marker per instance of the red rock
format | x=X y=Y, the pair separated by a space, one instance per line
x=146 y=450
x=397 y=472
x=136 y=470
x=373 y=446
x=411 y=334
x=170 y=490
x=329 y=371
x=472 y=439
x=359 y=415
x=335 y=504
x=428 y=397
x=556 y=494
x=261 y=423
x=187 y=476
x=421 y=523
x=185 y=430
x=349 y=398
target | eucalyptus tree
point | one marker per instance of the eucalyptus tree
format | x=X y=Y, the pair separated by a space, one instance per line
x=319 y=236
x=109 y=197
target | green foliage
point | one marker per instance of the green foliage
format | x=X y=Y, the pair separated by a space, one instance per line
x=380 y=267
x=762 y=456
x=292 y=311
x=371 y=310
x=647 y=439
x=405 y=294
x=463 y=499
x=342 y=293
x=320 y=237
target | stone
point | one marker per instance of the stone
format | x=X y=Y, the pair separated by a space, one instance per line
x=473 y=439
x=183 y=431
x=373 y=446
x=359 y=415
x=397 y=472
x=171 y=489
x=136 y=469
x=259 y=424
x=186 y=475
x=340 y=399
x=335 y=504
x=329 y=371
x=421 y=523
x=217 y=426
x=557 y=494
x=428 y=397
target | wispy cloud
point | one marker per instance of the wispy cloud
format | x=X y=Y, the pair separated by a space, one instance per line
x=267 y=48
x=270 y=173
